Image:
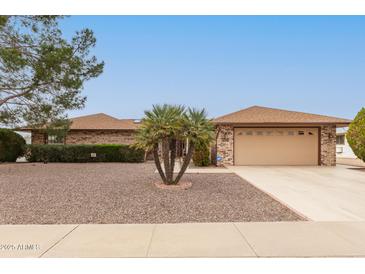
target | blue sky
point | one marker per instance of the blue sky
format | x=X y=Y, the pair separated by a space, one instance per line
x=226 y=63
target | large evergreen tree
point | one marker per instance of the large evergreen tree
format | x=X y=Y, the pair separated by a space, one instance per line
x=41 y=72
x=356 y=135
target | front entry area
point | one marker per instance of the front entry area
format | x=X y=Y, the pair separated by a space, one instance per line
x=276 y=146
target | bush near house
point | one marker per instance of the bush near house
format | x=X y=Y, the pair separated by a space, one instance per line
x=356 y=135
x=12 y=145
x=201 y=156
x=84 y=153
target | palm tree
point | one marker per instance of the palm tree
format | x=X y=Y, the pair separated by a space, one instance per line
x=197 y=130
x=166 y=125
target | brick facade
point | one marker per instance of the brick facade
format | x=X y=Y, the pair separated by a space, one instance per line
x=225 y=145
x=100 y=137
x=91 y=137
x=38 y=138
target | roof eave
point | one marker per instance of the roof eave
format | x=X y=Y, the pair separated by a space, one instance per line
x=337 y=124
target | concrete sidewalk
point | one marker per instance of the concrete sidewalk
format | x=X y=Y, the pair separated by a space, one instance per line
x=284 y=239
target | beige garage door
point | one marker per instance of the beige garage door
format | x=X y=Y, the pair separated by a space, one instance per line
x=276 y=146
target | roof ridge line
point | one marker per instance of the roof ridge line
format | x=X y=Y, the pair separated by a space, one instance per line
x=95 y=114
x=234 y=112
x=261 y=114
x=301 y=112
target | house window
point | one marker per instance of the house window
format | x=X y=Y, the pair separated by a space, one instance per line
x=340 y=139
x=55 y=140
x=301 y=132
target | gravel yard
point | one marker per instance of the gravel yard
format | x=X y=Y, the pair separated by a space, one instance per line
x=124 y=193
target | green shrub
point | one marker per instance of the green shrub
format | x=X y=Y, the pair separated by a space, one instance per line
x=201 y=156
x=82 y=153
x=356 y=135
x=12 y=145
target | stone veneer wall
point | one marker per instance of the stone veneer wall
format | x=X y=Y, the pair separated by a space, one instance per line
x=225 y=151
x=328 y=145
x=225 y=145
x=91 y=137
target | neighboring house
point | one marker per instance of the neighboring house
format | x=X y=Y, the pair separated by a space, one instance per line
x=92 y=129
x=267 y=136
x=343 y=149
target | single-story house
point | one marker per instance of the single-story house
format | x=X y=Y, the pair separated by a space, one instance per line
x=267 y=136
x=92 y=129
x=252 y=136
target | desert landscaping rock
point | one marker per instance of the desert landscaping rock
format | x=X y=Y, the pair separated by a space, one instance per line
x=182 y=185
x=60 y=193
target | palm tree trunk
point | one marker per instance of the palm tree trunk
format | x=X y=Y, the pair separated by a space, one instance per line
x=172 y=157
x=166 y=160
x=185 y=164
x=158 y=163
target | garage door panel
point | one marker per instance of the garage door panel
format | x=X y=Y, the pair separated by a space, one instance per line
x=273 y=146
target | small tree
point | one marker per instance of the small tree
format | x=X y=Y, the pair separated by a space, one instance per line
x=163 y=126
x=356 y=135
x=41 y=73
x=59 y=128
x=201 y=156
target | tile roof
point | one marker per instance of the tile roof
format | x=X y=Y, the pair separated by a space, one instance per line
x=102 y=121
x=264 y=115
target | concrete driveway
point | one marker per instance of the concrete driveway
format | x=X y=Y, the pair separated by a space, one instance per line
x=350 y=162
x=318 y=193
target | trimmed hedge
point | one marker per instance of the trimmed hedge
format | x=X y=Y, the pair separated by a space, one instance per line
x=12 y=145
x=82 y=153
